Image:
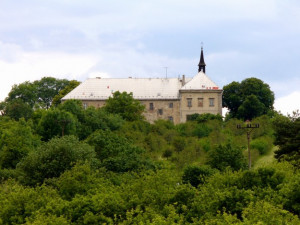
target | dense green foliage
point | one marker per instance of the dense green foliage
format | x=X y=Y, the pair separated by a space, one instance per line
x=125 y=105
x=249 y=99
x=69 y=165
x=287 y=132
x=16 y=141
x=52 y=158
x=225 y=156
x=63 y=92
x=29 y=95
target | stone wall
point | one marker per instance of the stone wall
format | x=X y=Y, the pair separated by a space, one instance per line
x=161 y=109
x=200 y=101
x=177 y=110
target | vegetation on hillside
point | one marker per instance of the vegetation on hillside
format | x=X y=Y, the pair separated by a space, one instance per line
x=69 y=165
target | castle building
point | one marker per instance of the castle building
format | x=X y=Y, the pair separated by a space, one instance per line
x=164 y=98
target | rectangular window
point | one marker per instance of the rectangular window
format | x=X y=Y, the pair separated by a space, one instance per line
x=160 y=111
x=171 y=105
x=189 y=102
x=200 y=102
x=211 y=102
x=151 y=106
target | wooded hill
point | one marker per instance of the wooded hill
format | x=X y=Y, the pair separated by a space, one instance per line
x=61 y=164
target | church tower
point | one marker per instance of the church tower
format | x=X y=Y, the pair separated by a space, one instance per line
x=201 y=64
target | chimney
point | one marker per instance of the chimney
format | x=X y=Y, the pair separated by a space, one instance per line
x=183 y=80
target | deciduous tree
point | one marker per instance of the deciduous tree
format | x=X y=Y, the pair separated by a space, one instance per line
x=53 y=158
x=248 y=99
x=287 y=137
x=125 y=105
x=224 y=156
x=55 y=122
x=38 y=93
x=62 y=93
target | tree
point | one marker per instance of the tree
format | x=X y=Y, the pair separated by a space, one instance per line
x=16 y=109
x=196 y=175
x=25 y=91
x=179 y=143
x=116 y=152
x=55 y=122
x=263 y=212
x=204 y=117
x=38 y=93
x=53 y=158
x=287 y=136
x=16 y=141
x=248 y=99
x=75 y=107
x=62 y=93
x=125 y=105
x=47 y=88
x=224 y=156
x=250 y=108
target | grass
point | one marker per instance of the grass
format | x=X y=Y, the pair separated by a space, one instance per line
x=266 y=159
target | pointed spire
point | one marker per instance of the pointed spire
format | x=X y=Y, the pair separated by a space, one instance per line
x=201 y=62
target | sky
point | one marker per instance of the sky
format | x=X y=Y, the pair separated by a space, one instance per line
x=79 y=39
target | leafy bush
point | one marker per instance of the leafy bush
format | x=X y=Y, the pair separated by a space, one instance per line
x=227 y=155
x=263 y=212
x=53 y=158
x=290 y=193
x=116 y=152
x=196 y=175
x=262 y=177
x=201 y=130
x=179 y=143
x=16 y=141
x=204 y=117
x=167 y=153
x=205 y=144
x=262 y=144
x=55 y=122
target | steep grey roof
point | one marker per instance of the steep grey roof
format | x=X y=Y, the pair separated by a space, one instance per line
x=200 y=81
x=142 y=88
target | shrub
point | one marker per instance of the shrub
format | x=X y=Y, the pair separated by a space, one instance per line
x=205 y=144
x=167 y=153
x=227 y=155
x=262 y=144
x=53 y=158
x=201 y=130
x=196 y=175
x=179 y=143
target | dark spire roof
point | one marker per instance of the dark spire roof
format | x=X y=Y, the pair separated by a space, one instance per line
x=201 y=62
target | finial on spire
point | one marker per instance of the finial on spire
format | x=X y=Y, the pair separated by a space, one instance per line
x=201 y=64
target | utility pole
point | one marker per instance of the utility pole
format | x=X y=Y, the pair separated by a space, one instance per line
x=251 y=127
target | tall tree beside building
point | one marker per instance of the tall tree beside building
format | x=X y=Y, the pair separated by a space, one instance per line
x=39 y=93
x=62 y=93
x=249 y=99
